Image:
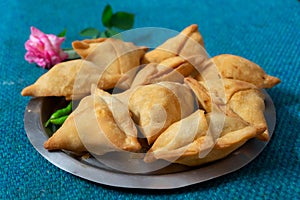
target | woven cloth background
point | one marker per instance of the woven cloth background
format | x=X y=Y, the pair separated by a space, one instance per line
x=267 y=32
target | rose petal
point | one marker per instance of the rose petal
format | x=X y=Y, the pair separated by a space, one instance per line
x=44 y=49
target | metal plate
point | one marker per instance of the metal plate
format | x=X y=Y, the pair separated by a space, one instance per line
x=174 y=176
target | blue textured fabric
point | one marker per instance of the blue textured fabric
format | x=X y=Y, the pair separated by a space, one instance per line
x=267 y=32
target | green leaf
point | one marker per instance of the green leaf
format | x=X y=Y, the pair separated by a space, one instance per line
x=110 y=32
x=63 y=33
x=122 y=20
x=107 y=15
x=90 y=32
x=103 y=35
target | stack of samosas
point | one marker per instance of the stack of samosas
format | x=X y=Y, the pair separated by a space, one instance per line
x=189 y=108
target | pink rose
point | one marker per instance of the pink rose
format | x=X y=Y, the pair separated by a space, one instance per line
x=44 y=49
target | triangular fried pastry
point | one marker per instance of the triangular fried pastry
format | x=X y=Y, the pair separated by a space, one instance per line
x=157 y=106
x=107 y=64
x=249 y=104
x=236 y=67
x=116 y=57
x=182 y=44
x=85 y=47
x=175 y=140
x=230 y=121
x=66 y=137
x=180 y=144
x=60 y=80
x=232 y=86
x=202 y=94
x=172 y=69
x=224 y=146
x=99 y=124
x=200 y=89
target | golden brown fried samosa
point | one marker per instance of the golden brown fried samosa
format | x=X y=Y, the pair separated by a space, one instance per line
x=116 y=57
x=106 y=64
x=236 y=67
x=182 y=145
x=203 y=93
x=223 y=147
x=60 y=80
x=99 y=124
x=177 y=138
x=172 y=69
x=242 y=97
x=184 y=44
x=85 y=47
x=250 y=105
x=232 y=86
x=157 y=106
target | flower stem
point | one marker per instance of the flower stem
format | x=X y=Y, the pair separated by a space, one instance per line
x=72 y=55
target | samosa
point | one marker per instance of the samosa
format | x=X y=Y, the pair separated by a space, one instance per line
x=155 y=107
x=250 y=105
x=107 y=63
x=100 y=124
x=236 y=67
x=187 y=43
x=191 y=142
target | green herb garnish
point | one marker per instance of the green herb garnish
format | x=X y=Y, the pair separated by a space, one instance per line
x=63 y=33
x=59 y=116
x=113 y=23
